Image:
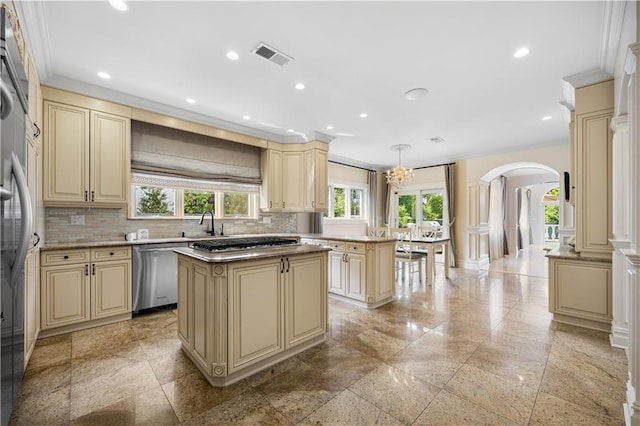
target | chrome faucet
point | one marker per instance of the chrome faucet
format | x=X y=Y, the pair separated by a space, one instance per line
x=213 y=229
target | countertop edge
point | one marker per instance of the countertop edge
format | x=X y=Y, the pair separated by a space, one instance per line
x=250 y=254
x=576 y=256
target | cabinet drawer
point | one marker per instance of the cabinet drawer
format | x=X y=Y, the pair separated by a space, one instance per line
x=111 y=253
x=63 y=257
x=336 y=245
x=355 y=247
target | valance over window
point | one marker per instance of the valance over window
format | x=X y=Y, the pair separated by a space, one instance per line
x=163 y=150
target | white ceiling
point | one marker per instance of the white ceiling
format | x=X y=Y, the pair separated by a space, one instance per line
x=353 y=57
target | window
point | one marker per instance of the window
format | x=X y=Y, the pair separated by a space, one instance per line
x=347 y=202
x=432 y=206
x=158 y=197
x=419 y=206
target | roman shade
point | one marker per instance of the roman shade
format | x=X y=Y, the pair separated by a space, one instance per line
x=162 y=150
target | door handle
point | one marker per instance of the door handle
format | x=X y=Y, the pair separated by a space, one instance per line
x=93 y=195
x=281 y=265
x=7 y=102
x=86 y=270
x=93 y=269
x=86 y=195
x=288 y=264
x=37 y=133
x=26 y=219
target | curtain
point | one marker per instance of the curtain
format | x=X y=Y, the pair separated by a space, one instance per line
x=505 y=243
x=518 y=214
x=529 y=215
x=450 y=193
x=386 y=195
x=523 y=218
x=173 y=152
x=496 y=226
x=372 y=177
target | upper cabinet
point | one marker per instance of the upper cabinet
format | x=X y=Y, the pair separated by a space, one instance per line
x=592 y=150
x=86 y=156
x=316 y=180
x=294 y=178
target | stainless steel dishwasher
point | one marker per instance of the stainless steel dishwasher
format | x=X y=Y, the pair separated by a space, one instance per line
x=155 y=275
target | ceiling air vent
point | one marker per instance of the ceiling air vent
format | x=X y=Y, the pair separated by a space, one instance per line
x=436 y=139
x=272 y=54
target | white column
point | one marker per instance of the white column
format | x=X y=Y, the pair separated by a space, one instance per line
x=621 y=166
x=632 y=406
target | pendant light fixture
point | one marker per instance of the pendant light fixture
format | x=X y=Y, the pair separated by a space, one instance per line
x=399 y=175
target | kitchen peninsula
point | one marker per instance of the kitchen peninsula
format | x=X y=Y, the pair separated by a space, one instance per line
x=241 y=311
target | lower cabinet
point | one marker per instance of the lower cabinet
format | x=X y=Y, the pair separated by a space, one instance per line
x=32 y=303
x=362 y=273
x=84 y=288
x=237 y=318
x=580 y=292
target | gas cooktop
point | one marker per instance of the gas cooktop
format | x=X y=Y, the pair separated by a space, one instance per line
x=242 y=243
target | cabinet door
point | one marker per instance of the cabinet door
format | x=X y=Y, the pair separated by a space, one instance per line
x=316 y=180
x=306 y=295
x=110 y=152
x=271 y=190
x=110 y=289
x=66 y=153
x=356 y=276
x=32 y=305
x=184 y=301
x=65 y=295
x=293 y=181
x=336 y=272
x=255 y=301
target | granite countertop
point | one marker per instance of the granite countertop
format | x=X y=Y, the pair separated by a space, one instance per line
x=97 y=244
x=572 y=255
x=250 y=254
x=356 y=238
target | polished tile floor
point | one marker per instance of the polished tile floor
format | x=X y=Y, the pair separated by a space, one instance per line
x=478 y=348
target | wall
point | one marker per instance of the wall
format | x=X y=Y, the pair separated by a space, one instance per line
x=112 y=224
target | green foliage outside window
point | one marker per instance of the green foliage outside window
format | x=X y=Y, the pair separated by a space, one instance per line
x=196 y=203
x=406 y=210
x=236 y=204
x=356 y=202
x=432 y=207
x=338 y=202
x=552 y=211
x=154 y=201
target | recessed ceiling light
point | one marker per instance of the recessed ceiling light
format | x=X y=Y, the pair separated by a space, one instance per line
x=104 y=75
x=364 y=115
x=417 y=93
x=546 y=117
x=523 y=51
x=119 y=5
x=191 y=100
x=233 y=55
x=291 y=130
x=246 y=117
x=329 y=127
x=300 y=86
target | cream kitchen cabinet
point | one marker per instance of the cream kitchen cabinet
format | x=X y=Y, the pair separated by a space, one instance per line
x=32 y=302
x=34 y=122
x=316 y=195
x=361 y=270
x=236 y=318
x=82 y=288
x=348 y=269
x=86 y=157
x=580 y=291
x=283 y=181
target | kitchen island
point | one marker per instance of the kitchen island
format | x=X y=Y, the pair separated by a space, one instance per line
x=241 y=311
x=361 y=269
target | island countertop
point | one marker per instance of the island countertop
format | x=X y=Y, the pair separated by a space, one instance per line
x=356 y=238
x=249 y=254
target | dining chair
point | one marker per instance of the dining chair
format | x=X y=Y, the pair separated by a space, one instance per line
x=377 y=231
x=405 y=255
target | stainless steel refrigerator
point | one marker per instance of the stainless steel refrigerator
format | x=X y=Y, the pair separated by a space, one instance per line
x=15 y=216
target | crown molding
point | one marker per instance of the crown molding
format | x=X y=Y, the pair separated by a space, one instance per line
x=612 y=22
x=157 y=107
x=587 y=78
x=323 y=137
x=33 y=16
x=351 y=162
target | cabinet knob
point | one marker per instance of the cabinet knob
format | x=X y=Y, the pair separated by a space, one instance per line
x=66 y=257
x=111 y=254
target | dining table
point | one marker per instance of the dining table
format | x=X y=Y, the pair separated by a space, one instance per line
x=432 y=246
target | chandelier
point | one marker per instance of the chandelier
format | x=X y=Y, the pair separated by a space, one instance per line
x=399 y=175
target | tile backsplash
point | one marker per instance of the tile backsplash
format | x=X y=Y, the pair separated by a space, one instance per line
x=112 y=224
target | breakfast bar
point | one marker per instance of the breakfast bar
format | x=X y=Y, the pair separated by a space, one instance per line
x=243 y=309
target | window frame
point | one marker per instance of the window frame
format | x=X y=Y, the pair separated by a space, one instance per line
x=179 y=190
x=347 y=209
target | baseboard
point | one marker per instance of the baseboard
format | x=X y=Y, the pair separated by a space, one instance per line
x=619 y=337
x=473 y=264
x=581 y=322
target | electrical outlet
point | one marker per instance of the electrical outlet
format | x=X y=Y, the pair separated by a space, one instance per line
x=77 y=220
